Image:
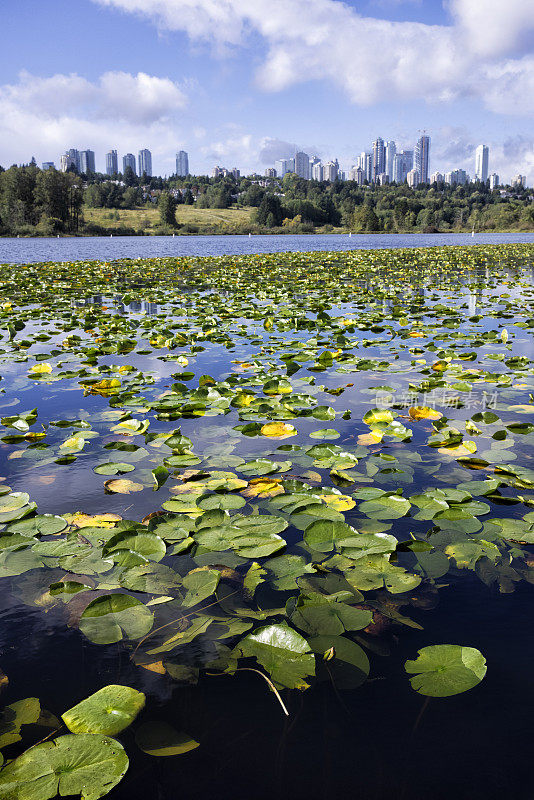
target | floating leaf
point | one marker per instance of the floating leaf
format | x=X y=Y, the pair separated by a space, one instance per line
x=424 y=412
x=113 y=468
x=283 y=652
x=161 y=739
x=200 y=584
x=263 y=487
x=88 y=765
x=113 y=617
x=122 y=486
x=278 y=430
x=446 y=669
x=386 y=507
x=41 y=369
x=108 y=711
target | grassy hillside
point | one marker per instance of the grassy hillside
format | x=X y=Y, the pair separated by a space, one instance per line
x=189 y=219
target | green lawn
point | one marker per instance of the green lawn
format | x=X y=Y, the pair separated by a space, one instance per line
x=147 y=219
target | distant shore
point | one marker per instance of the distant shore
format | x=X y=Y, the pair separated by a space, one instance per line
x=114 y=233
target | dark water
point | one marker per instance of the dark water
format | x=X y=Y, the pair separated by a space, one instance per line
x=379 y=741
x=25 y=251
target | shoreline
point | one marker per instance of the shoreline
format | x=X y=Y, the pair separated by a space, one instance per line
x=283 y=234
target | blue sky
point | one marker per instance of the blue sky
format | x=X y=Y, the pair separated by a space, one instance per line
x=241 y=82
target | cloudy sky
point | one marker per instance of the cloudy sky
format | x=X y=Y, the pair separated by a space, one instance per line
x=243 y=82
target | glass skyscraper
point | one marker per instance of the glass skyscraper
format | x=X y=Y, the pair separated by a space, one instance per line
x=145 y=162
x=422 y=158
x=482 y=163
x=182 y=164
x=87 y=161
x=128 y=161
x=112 y=163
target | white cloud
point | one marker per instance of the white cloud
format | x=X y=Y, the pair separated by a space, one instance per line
x=372 y=60
x=68 y=111
x=116 y=95
x=494 y=27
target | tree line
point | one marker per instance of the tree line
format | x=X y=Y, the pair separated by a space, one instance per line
x=51 y=202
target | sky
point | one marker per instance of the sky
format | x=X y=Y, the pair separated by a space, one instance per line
x=241 y=83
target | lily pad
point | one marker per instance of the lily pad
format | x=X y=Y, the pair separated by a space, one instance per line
x=161 y=739
x=113 y=617
x=108 y=711
x=446 y=669
x=284 y=653
x=86 y=765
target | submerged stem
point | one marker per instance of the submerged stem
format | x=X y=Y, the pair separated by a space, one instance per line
x=271 y=684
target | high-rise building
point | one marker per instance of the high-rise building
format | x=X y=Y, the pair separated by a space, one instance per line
x=47 y=165
x=145 y=162
x=128 y=161
x=493 y=181
x=519 y=181
x=402 y=164
x=482 y=163
x=437 y=177
x=413 y=178
x=317 y=171
x=284 y=165
x=74 y=155
x=391 y=151
x=302 y=165
x=236 y=173
x=379 y=158
x=112 y=163
x=357 y=175
x=270 y=172
x=382 y=179
x=458 y=177
x=365 y=162
x=87 y=161
x=313 y=161
x=182 y=164
x=331 y=170
x=69 y=161
x=422 y=157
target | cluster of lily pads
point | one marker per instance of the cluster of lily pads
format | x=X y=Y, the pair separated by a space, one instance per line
x=369 y=440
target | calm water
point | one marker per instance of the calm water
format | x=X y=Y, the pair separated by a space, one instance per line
x=381 y=740
x=24 y=251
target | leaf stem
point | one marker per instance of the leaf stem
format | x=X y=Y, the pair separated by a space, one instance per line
x=271 y=684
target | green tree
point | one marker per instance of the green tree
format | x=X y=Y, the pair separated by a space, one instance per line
x=167 y=209
x=365 y=219
x=59 y=196
x=270 y=212
x=129 y=177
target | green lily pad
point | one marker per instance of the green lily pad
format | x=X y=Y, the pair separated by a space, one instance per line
x=388 y=507
x=200 y=584
x=446 y=669
x=108 y=711
x=113 y=617
x=161 y=739
x=114 y=468
x=375 y=572
x=283 y=652
x=86 y=765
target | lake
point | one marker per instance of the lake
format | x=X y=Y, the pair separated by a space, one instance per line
x=289 y=471
x=25 y=251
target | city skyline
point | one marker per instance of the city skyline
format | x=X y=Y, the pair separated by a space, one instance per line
x=327 y=76
x=380 y=164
